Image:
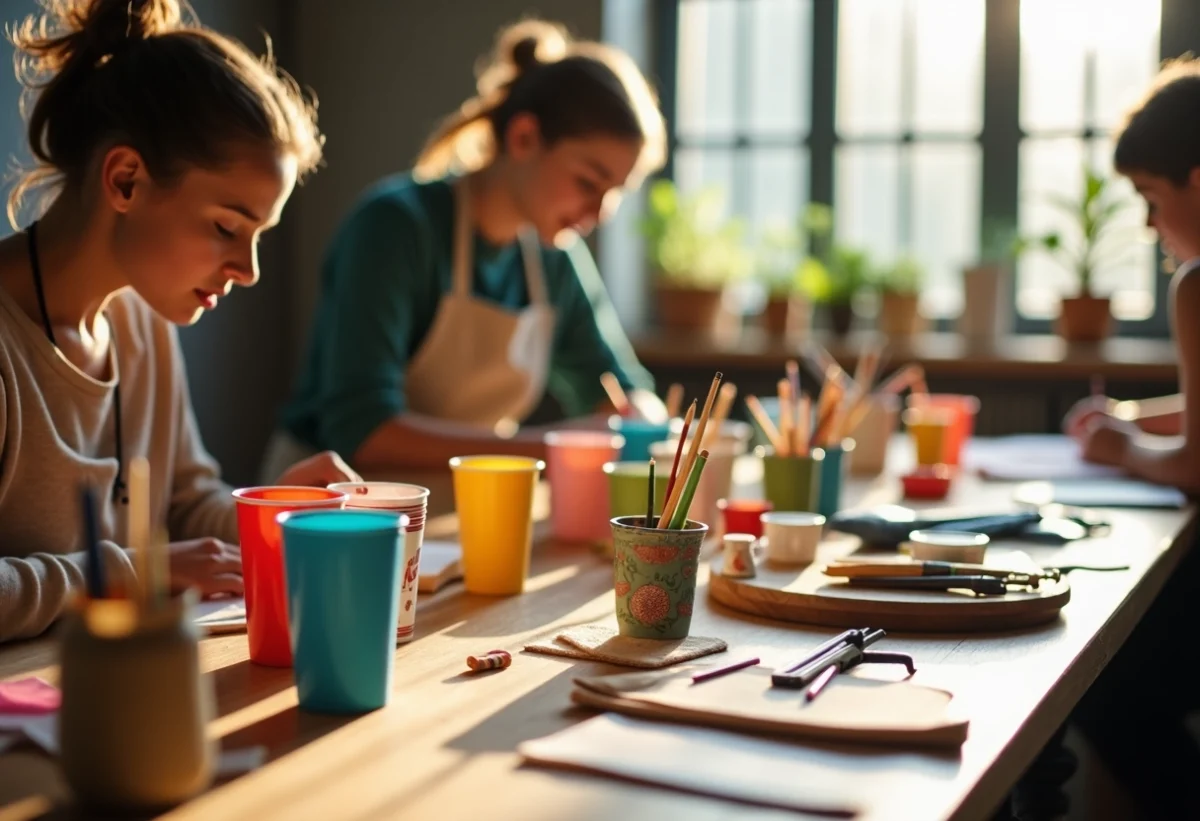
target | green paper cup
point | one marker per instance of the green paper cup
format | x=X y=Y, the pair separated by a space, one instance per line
x=627 y=488
x=654 y=577
x=792 y=483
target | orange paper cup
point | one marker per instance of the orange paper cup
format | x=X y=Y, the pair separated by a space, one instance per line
x=262 y=563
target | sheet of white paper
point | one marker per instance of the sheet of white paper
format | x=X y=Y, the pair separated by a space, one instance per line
x=1033 y=456
x=744 y=768
x=221 y=610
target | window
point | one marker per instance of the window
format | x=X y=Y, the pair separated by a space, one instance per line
x=921 y=122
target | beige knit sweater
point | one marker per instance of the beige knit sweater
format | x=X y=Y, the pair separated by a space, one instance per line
x=57 y=428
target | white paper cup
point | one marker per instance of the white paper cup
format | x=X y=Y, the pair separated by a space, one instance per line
x=412 y=501
x=792 y=538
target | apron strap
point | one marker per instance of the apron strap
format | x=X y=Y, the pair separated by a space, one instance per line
x=461 y=260
x=535 y=276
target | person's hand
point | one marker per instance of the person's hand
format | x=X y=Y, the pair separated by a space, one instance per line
x=1083 y=412
x=321 y=470
x=209 y=565
x=1106 y=441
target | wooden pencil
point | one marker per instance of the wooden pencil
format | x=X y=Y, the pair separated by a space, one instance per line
x=674 y=400
x=694 y=450
x=827 y=404
x=724 y=404
x=786 y=426
x=616 y=394
x=793 y=376
x=138 y=523
x=803 y=424
x=683 y=435
x=764 y=421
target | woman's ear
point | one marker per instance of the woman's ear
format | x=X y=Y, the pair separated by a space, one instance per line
x=523 y=137
x=122 y=177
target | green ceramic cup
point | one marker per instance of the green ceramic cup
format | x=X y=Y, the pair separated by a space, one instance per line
x=792 y=483
x=627 y=488
x=654 y=577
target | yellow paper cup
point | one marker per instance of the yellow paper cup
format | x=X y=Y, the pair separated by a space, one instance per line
x=493 y=496
x=929 y=429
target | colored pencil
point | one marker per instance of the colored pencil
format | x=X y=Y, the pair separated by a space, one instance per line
x=764 y=421
x=96 y=586
x=668 y=512
x=674 y=400
x=683 y=437
x=709 y=675
x=821 y=681
x=649 y=520
x=680 y=515
x=616 y=394
x=724 y=404
x=138 y=522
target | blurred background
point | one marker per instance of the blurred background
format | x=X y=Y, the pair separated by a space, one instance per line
x=839 y=168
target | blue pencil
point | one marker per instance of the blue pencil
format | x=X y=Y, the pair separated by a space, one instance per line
x=97 y=588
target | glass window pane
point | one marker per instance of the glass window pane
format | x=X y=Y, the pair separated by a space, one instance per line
x=778 y=188
x=706 y=67
x=947 y=57
x=780 y=65
x=1127 y=56
x=1053 y=48
x=945 y=220
x=1128 y=266
x=869 y=91
x=698 y=168
x=1055 y=167
x=867 y=197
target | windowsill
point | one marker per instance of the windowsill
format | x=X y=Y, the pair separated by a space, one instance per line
x=942 y=354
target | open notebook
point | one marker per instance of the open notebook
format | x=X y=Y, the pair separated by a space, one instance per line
x=441 y=563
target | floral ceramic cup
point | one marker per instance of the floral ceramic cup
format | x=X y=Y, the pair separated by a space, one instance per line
x=654 y=577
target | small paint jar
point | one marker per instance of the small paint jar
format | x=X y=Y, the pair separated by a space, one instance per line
x=946 y=546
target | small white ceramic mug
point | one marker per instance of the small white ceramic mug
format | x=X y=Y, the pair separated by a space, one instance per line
x=741 y=551
x=792 y=538
x=946 y=546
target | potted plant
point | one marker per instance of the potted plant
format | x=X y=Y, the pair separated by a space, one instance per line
x=694 y=252
x=1084 y=317
x=776 y=266
x=833 y=284
x=987 y=289
x=900 y=294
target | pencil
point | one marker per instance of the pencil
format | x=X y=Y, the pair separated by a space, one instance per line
x=785 y=418
x=96 y=587
x=827 y=404
x=674 y=400
x=616 y=394
x=683 y=435
x=668 y=512
x=724 y=404
x=764 y=421
x=709 y=675
x=680 y=515
x=649 y=521
x=138 y=522
x=821 y=681
x=803 y=425
x=793 y=376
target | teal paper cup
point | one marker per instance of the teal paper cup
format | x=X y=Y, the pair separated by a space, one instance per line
x=792 y=483
x=639 y=436
x=343 y=581
x=834 y=468
x=654 y=577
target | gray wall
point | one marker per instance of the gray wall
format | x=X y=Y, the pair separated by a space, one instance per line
x=385 y=72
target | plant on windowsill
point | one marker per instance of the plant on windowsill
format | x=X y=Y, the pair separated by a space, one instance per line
x=1084 y=317
x=899 y=297
x=694 y=252
x=835 y=282
x=776 y=261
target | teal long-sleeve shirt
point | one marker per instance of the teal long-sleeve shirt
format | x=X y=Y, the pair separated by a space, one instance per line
x=384 y=275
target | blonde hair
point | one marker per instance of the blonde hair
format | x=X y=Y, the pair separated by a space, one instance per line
x=144 y=73
x=574 y=88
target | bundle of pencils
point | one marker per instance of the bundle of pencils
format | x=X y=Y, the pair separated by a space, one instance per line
x=628 y=409
x=686 y=470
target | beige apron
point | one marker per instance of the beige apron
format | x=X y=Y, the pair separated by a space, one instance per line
x=480 y=364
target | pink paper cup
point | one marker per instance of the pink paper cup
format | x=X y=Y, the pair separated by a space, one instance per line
x=578 y=485
x=412 y=501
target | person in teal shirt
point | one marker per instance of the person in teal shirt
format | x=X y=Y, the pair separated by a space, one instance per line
x=454 y=296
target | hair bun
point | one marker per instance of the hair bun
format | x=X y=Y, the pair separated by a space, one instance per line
x=524 y=54
x=110 y=25
x=531 y=42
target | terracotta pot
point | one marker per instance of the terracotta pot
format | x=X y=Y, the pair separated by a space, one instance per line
x=841 y=317
x=785 y=315
x=1085 y=319
x=899 y=314
x=688 y=309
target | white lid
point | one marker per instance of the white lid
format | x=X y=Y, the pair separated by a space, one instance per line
x=948 y=538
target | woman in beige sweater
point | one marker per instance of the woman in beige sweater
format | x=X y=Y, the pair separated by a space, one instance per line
x=164 y=150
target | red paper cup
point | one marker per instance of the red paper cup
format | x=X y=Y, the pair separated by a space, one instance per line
x=262 y=563
x=744 y=515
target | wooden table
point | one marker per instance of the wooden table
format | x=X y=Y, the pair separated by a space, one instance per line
x=445 y=747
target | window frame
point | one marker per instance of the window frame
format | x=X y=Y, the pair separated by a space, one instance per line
x=999 y=139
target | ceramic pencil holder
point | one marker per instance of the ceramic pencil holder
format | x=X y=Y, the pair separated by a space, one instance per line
x=133 y=727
